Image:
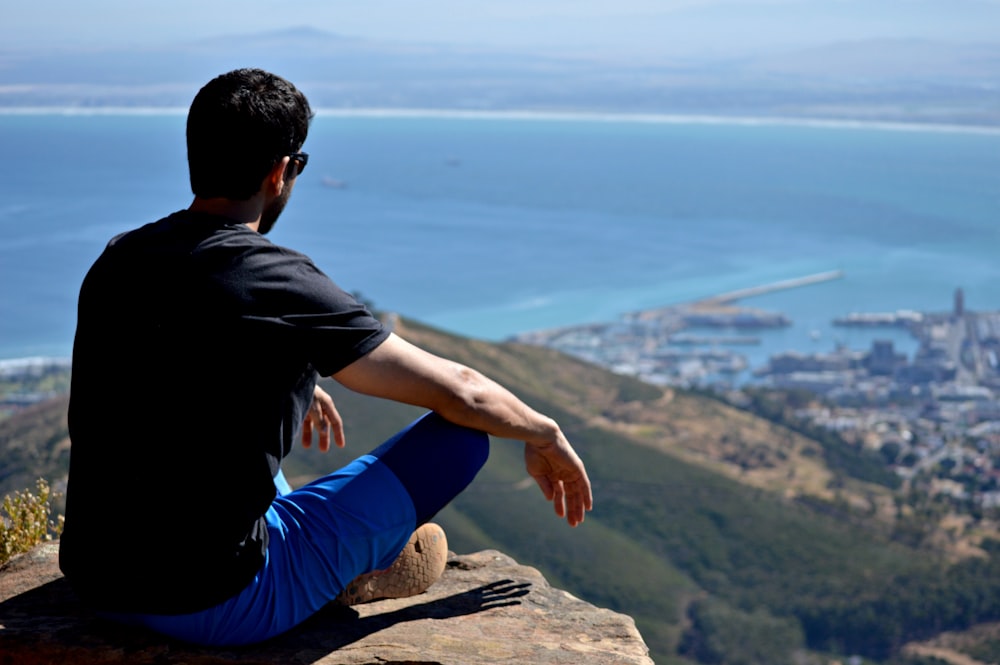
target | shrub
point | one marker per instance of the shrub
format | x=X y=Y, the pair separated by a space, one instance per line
x=25 y=522
x=723 y=635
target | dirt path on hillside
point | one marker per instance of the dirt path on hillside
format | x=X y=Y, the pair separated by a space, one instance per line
x=947 y=655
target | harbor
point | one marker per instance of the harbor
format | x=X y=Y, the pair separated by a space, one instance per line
x=684 y=343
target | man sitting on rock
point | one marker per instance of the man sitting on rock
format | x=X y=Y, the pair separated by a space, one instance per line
x=198 y=348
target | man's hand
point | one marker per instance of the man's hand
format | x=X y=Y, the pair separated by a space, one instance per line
x=323 y=418
x=561 y=476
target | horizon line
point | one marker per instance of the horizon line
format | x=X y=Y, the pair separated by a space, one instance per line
x=549 y=116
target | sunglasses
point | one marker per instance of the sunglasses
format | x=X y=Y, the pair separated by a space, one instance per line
x=300 y=159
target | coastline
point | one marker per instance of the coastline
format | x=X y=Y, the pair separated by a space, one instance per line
x=22 y=364
x=545 y=116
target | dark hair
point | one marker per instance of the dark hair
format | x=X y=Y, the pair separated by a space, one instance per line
x=240 y=124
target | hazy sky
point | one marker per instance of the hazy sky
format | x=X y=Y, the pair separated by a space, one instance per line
x=616 y=26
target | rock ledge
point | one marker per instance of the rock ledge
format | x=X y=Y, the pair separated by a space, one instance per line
x=485 y=609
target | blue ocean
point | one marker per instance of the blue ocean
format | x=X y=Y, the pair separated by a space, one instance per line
x=493 y=225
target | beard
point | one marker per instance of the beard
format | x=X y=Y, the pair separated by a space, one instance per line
x=271 y=213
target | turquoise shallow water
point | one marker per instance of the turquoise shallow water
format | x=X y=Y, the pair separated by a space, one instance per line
x=491 y=226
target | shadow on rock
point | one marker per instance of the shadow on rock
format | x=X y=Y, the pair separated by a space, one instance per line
x=50 y=619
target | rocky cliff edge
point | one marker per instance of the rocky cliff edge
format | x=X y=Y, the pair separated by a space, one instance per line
x=485 y=609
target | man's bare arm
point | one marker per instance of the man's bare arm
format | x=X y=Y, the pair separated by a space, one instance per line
x=402 y=372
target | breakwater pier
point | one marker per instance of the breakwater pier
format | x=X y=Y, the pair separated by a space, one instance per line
x=723 y=303
x=808 y=280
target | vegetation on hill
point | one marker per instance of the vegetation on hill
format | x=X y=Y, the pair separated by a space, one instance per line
x=840 y=457
x=730 y=538
x=25 y=521
x=34 y=442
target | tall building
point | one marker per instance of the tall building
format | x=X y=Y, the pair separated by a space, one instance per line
x=882 y=360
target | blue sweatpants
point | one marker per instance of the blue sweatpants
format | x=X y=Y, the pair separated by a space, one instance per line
x=337 y=527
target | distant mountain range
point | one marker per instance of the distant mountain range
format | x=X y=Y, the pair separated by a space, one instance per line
x=729 y=538
x=875 y=80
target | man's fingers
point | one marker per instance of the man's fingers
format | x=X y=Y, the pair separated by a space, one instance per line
x=562 y=479
x=323 y=416
x=324 y=437
x=307 y=433
x=336 y=425
x=559 y=498
x=578 y=502
x=546 y=487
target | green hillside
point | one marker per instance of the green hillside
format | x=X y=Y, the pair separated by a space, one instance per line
x=727 y=537
x=34 y=443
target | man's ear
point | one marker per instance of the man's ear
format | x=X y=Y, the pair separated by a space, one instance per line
x=274 y=181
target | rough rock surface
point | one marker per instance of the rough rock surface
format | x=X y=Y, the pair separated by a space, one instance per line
x=485 y=609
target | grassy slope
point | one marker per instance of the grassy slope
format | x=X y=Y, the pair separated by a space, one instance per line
x=34 y=443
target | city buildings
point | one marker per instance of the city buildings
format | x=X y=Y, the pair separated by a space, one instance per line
x=934 y=416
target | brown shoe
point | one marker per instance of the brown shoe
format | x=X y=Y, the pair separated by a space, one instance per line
x=417 y=567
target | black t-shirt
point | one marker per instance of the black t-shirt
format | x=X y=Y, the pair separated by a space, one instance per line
x=197 y=349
